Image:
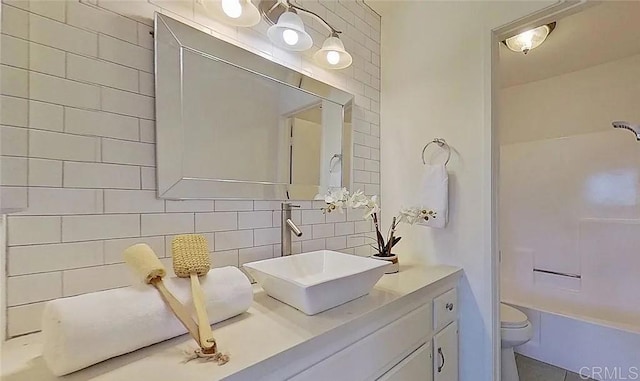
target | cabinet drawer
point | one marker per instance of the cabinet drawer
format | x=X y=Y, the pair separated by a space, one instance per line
x=445 y=309
x=416 y=366
x=369 y=357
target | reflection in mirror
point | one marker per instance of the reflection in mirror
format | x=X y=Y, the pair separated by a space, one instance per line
x=235 y=125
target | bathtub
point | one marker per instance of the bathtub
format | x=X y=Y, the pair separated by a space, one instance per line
x=599 y=344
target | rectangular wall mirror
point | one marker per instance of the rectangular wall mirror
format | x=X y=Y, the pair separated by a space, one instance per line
x=233 y=125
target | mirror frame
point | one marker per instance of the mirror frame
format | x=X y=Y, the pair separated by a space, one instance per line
x=172 y=36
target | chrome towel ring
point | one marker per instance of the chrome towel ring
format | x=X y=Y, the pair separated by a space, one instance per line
x=440 y=143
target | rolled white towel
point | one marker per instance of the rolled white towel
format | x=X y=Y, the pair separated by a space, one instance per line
x=83 y=330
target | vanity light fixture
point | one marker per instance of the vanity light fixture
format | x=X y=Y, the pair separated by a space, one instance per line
x=280 y=13
x=233 y=12
x=288 y=33
x=530 y=39
x=332 y=55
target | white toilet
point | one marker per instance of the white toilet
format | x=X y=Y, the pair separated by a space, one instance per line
x=515 y=329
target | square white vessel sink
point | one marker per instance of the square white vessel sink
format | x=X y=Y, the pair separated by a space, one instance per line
x=316 y=281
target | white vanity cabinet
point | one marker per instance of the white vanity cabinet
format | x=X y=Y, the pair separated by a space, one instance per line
x=419 y=346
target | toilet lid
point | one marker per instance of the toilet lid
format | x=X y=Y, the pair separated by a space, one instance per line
x=511 y=317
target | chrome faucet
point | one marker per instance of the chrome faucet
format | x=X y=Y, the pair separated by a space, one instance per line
x=286 y=227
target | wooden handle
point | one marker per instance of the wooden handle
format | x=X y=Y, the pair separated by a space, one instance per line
x=207 y=343
x=178 y=308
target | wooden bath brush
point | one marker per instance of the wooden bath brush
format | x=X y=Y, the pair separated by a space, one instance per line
x=148 y=267
x=190 y=260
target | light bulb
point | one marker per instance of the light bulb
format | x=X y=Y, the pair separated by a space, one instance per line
x=333 y=57
x=290 y=37
x=526 y=39
x=232 y=8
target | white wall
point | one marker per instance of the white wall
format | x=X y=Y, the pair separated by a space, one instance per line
x=436 y=83
x=81 y=94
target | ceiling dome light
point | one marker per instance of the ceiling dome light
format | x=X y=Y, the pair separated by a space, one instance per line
x=289 y=33
x=232 y=12
x=332 y=55
x=530 y=39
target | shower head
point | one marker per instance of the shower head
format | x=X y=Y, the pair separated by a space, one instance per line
x=628 y=126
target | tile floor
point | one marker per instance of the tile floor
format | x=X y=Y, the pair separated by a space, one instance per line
x=533 y=370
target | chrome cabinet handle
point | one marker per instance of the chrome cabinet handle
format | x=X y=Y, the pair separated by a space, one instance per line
x=442 y=357
x=449 y=306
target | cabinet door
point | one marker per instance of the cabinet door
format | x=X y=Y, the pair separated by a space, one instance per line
x=415 y=367
x=445 y=354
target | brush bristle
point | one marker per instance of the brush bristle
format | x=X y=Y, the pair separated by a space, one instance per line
x=144 y=262
x=190 y=255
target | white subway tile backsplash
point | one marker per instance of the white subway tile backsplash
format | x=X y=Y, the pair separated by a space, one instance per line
x=92 y=227
x=344 y=228
x=114 y=248
x=224 y=258
x=13 y=141
x=54 y=145
x=127 y=152
x=363 y=226
x=45 y=173
x=50 y=9
x=189 y=206
x=14 y=111
x=126 y=103
x=313 y=245
x=15 y=22
x=216 y=221
x=33 y=230
x=25 y=289
x=60 y=201
x=95 y=19
x=97 y=123
x=62 y=36
x=336 y=243
x=267 y=236
x=61 y=91
x=91 y=279
x=14 y=81
x=145 y=39
x=46 y=116
x=97 y=175
x=46 y=60
x=148 y=177
x=45 y=258
x=169 y=223
x=105 y=73
x=253 y=254
x=323 y=230
x=132 y=201
x=251 y=220
x=229 y=206
x=14 y=171
x=313 y=217
x=147 y=131
x=237 y=239
x=124 y=53
x=24 y=319
x=15 y=51
x=146 y=83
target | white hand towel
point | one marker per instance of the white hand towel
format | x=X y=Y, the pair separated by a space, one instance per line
x=434 y=194
x=83 y=330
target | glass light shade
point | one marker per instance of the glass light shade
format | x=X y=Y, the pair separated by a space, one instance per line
x=289 y=33
x=332 y=55
x=233 y=12
x=528 y=40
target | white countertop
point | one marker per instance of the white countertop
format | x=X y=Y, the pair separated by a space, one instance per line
x=256 y=340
